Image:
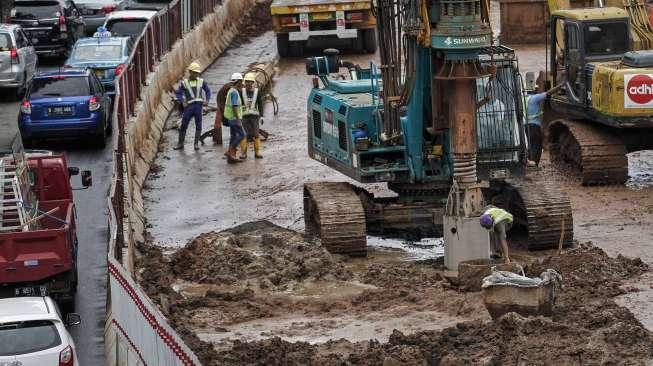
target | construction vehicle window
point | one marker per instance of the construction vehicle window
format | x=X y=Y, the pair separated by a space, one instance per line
x=606 y=39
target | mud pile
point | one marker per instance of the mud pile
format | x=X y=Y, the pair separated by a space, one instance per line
x=257 y=22
x=265 y=259
x=260 y=271
x=587 y=328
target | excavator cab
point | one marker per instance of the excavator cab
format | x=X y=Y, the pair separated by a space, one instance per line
x=582 y=37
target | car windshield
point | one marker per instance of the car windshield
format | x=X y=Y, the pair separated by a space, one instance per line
x=26 y=337
x=126 y=27
x=60 y=86
x=606 y=39
x=36 y=9
x=5 y=42
x=97 y=52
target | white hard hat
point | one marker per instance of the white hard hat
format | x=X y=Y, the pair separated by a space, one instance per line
x=194 y=67
x=236 y=76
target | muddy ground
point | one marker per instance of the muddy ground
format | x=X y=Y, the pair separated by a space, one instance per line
x=258 y=293
x=262 y=294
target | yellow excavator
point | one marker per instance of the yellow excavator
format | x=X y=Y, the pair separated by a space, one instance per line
x=603 y=57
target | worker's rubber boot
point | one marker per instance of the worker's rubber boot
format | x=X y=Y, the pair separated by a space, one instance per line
x=198 y=134
x=231 y=156
x=257 y=148
x=180 y=141
x=243 y=149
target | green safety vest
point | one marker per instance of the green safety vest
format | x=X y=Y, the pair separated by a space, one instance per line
x=229 y=109
x=250 y=108
x=195 y=92
x=499 y=215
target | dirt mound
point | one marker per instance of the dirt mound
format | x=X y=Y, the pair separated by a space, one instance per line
x=587 y=328
x=265 y=256
x=257 y=22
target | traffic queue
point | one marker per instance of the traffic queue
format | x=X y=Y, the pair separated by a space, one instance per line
x=75 y=100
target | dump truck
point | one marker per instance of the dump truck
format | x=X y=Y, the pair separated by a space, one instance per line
x=38 y=239
x=602 y=56
x=302 y=23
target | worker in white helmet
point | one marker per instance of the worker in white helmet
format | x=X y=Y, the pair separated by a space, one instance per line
x=233 y=115
x=192 y=94
x=252 y=112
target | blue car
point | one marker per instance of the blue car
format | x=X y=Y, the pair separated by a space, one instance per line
x=106 y=56
x=68 y=103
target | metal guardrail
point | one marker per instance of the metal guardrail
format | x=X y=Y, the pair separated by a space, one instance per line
x=160 y=34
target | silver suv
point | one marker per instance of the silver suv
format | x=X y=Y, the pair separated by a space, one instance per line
x=18 y=60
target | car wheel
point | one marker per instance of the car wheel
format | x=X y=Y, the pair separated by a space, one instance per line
x=100 y=139
x=20 y=91
x=28 y=142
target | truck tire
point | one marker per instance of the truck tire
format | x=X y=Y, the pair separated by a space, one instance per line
x=358 y=43
x=283 y=45
x=297 y=48
x=369 y=38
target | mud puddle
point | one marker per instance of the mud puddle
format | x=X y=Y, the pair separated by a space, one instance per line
x=640 y=169
x=425 y=249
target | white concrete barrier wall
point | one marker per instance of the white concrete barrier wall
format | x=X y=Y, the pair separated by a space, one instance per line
x=136 y=332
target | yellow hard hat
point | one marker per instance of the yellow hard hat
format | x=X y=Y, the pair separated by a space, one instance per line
x=194 y=67
x=250 y=77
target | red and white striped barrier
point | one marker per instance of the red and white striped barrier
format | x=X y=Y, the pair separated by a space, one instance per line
x=141 y=323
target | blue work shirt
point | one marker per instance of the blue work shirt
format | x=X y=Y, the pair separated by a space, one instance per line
x=534 y=108
x=182 y=94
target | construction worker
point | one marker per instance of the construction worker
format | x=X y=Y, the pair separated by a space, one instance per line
x=233 y=115
x=252 y=112
x=192 y=94
x=534 y=111
x=498 y=221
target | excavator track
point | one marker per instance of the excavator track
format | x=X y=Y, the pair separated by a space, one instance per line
x=334 y=212
x=598 y=155
x=544 y=210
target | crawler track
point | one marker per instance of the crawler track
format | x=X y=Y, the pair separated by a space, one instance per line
x=334 y=212
x=541 y=207
x=599 y=156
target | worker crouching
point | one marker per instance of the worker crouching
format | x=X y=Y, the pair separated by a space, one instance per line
x=252 y=112
x=498 y=221
x=232 y=117
x=193 y=94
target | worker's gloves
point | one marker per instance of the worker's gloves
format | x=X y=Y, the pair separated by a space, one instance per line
x=262 y=121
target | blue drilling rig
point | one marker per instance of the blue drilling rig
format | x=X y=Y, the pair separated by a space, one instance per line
x=440 y=120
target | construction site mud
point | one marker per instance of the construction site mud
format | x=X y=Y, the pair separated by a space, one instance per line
x=261 y=294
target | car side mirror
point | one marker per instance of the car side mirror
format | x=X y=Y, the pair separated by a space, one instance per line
x=87 y=178
x=73 y=170
x=73 y=319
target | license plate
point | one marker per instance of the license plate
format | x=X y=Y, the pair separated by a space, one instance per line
x=99 y=73
x=59 y=111
x=31 y=291
x=321 y=16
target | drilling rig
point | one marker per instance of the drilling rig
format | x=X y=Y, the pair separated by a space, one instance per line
x=440 y=121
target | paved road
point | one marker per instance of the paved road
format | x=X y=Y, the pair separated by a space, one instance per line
x=92 y=234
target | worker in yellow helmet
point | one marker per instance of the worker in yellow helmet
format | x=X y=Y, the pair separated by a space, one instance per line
x=252 y=112
x=498 y=221
x=192 y=94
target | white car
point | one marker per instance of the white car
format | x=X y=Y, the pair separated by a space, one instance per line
x=128 y=23
x=32 y=333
